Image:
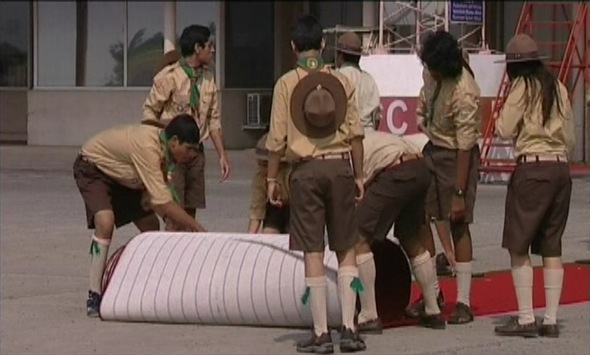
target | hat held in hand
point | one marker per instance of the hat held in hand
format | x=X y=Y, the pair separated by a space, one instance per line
x=521 y=48
x=318 y=105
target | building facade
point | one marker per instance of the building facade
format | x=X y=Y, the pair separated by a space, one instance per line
x=71 y=69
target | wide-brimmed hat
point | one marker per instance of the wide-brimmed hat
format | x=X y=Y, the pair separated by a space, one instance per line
x=350 y=43
x=170 y=57
x=318 y=105
x=521 y=48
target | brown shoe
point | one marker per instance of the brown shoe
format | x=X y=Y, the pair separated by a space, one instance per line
x=370 y=327
x=461 y=314
x=549 y=330
x=513 y=328
x=416 y=309
x=317 y=344
x=434 y=321
x=351 y=341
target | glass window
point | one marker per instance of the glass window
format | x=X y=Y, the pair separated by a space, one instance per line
x=14 y=43
x=145 y=41
x=249 y=44
x=80 y=43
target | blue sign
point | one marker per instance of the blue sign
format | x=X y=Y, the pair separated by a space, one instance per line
x=466 y=11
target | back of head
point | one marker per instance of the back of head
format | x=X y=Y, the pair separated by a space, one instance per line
x=307 y=34
x=185 y=128
x=440 y=51
x=191 y=36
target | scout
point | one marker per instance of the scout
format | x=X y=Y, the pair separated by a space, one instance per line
x=537 y=116
x=316 y=126
x=444 y=263
x=188 y=86
x=396 y=183
x=449 y=112
x=349 y=51
x=272 y=219
x=115 y=169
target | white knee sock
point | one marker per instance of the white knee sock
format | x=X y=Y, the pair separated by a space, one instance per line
x=522 y=277
x=435 y=283
x=346 y=274
x=464 y=282
x=425 y=276
x=99 y=250
x=367 y=274
x=317 y=296
x=553 y=279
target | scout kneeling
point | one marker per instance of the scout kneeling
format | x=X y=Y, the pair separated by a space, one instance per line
x=116 y=169
x=316 y=126
x=537 y=115
x=273 y=219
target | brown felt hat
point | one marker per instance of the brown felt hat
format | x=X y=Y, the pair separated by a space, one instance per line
x=521 y=48
x=350 y=43
x=318 y=105
x=168 y=58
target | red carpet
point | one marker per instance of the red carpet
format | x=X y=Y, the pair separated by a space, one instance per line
x=493 y=293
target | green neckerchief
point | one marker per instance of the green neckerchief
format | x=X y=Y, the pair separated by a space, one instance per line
x=170 y=167
x=310 y=63
x=194 y=75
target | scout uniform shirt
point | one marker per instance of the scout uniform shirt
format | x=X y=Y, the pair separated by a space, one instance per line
x=525 y=124
x=366 y=94
x=171 y=95
x=450 y=111
x=381 y=150
x=132 y=155
x=284 y=136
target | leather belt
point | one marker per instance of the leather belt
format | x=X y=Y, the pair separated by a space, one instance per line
x=329 y=156
x=404 y=159
x=538 y=158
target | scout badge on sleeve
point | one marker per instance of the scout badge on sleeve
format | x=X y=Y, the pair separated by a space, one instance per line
x=318 y=105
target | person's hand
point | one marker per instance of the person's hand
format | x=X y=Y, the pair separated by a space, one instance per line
x=224 y=165
x=360 y=189
x=457 y=209
x=272 y=193
x=450 y=255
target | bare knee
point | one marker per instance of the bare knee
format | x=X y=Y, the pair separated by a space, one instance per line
x=104 y=223
x=363 y=246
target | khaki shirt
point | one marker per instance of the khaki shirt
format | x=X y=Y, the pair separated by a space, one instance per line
x=170 y=96
x=284 y=136
x=525 y=124
x=456 y=112
x=381 y=150
x=367 y=96
x=259 y=189
x=132 y=155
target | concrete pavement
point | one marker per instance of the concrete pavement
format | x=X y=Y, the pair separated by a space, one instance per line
x=44 y=260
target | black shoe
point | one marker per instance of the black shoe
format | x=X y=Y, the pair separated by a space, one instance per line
x=434 y=321
x=370 y=327
x=93 y=304
x=351 y=342
x=461 y=314
x=416 y=309
x=513 y=328
x=317 y=344
x=549 y=331
x=443 y=268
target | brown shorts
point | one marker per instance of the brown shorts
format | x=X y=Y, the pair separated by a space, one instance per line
x=277 y=217
x=322 y=196
x=443 y=164
x=396 y=195
x=189 y=182
x=100 y=193
x=537 y=208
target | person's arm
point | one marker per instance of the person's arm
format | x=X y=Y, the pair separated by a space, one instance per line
x=258 y=202
x=178 y=215
x=512 y=112
x=216 y=135
x=355 y=137
x=254 y=226
x=467 y=134
x=159 y=94
x=276 y=141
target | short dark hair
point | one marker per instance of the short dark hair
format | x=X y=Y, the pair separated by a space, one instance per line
x=442 y=54
x=185 y=128
x=191 y=36
x=307 y=34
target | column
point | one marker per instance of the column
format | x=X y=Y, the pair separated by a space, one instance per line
x=169 y=25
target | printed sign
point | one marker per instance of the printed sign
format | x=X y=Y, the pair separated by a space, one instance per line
x=466 y=11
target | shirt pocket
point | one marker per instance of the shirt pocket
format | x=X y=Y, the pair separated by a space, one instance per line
x=181 y=104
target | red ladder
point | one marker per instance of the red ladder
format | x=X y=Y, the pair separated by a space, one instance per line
x=560 y=59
